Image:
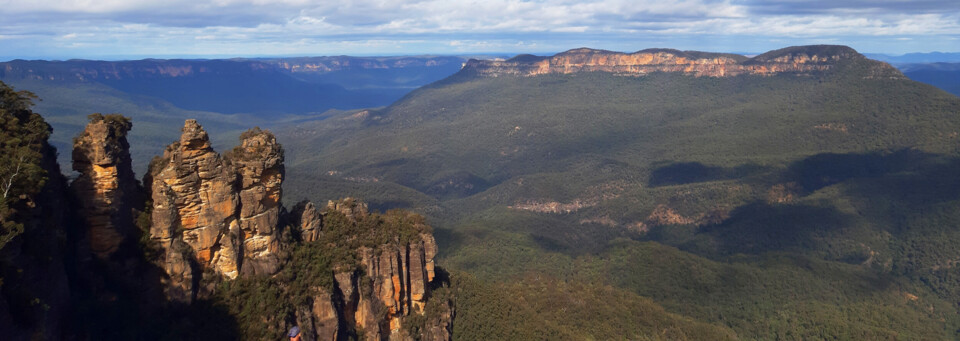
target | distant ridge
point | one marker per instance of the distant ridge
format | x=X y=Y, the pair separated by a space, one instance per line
x=275 y=86
x=798 y=60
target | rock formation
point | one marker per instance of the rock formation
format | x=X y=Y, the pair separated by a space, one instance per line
x=215 y=213
x=398 y=280
x=306 y=216
x=213 y=218
x=793 y=60
x=259 y=163
x=319 y=320
x=391 y=282
x=106 y=189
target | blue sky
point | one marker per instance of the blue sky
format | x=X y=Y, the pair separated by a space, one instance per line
x=118 y=29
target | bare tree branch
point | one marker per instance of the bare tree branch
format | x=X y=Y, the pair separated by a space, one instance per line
x=9 y=181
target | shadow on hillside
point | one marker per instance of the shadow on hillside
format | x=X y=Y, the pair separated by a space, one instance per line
x=759 y=227
x=826 y=169
x=574 y=239
x=692 y=172
x=887 y=190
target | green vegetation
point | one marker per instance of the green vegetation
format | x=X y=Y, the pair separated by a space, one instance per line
x=785 y=207
x=266 y=307
x=23 y=138
x=544 y=308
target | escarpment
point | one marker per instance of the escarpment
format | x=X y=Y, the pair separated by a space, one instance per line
x=799 y=60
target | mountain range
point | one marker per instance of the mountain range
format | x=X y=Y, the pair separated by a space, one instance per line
x=230 y=95
x=808 y=192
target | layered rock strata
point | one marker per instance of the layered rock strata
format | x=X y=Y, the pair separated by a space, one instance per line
x=794 y=60
x=211 y=212
x=106 y=189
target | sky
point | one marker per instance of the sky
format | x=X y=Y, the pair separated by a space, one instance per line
x=131 y=29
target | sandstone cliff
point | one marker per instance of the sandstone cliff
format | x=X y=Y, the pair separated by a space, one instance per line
x=259 y=163
x=800 y=60
x=214 y=224
x=215 y=213
x=390 y=282
x=107 y=191
x=219 y=218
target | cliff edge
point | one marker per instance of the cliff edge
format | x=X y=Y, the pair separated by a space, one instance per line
x=797 y=60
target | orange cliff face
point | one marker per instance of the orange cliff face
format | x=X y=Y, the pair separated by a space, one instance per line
x=106 y=188
x=222 y=211
x=795 y=60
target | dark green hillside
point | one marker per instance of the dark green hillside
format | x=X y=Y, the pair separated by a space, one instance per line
x=816 y=205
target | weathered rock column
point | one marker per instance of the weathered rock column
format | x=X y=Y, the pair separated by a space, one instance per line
x=194 y=201
x=259 y=163
x=106 y=189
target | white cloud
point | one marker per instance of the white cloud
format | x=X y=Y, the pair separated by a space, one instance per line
x=233 y=25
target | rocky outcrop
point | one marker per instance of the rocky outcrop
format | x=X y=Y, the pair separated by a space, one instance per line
x=107 y=191
x=351 y=208
x=306 y=216
x=216 y=218
x=319 y=319
x=259 y=162
x=399 y=277
x=215 y=213
x=792 y=60
x=195 y=211
x=391 y=281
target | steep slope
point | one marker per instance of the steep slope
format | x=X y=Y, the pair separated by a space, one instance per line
x=749 y=167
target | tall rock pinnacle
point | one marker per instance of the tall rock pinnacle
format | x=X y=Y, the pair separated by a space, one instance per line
x=106 y=188
x=213 y=212
x=259 y=162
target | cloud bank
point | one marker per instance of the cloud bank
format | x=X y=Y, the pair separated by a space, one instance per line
x=90 y=29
